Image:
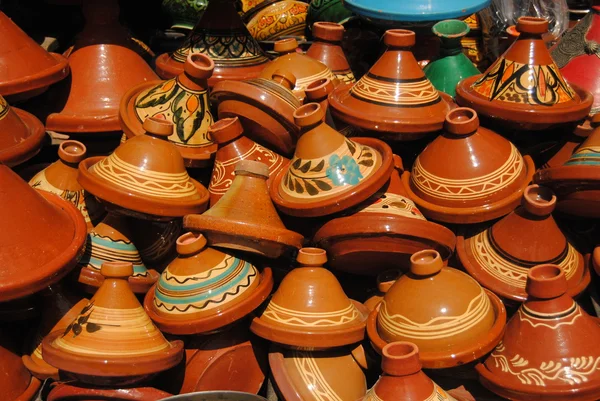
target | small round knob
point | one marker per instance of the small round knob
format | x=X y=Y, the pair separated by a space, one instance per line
x=400 y=359
x=189 y=244
x=399 y=38
x=309 y=115
x=386 y=279
x=71 y=151
x=311 y=257
x=117 y=269
x=546 y=282
x=158 y=127
x=512 y=31
x=319 y=90
x=329 y=31
x=288 y=45
x=539 y=201
x=199 y=66
x=226 y=130
x=252 y=167
x=426 y=263
x=532 y=25
x=461 y=121
x=284 y=78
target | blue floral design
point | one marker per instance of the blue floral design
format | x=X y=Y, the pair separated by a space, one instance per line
x=343 y=171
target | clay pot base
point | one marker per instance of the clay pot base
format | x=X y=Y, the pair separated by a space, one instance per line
x=452 y=358
x=92 y=279
x=25 y=150
x=210 y=324
x=199 y=156
x=344 y=200
x=472 y=214
x=523 y=117
x=307 y=339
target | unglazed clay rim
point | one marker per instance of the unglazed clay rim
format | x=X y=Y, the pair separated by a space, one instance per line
x=515 y=294
x=135 y=202
x=207 y=324
x=23 y=151
x=557 y=114
x=316 y=339
x=443 y=360
x=344 y=200
x=42 y=79
x=474 y=214
x=132 y=127
x=93 y=279
x=282 y=380
x=118 y=367
x=56 y=269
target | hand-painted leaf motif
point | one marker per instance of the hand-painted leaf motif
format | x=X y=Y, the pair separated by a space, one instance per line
x=296 y=164
x=299 y=188
x=351 y=147
x=305 y=167
x=367 y=154
x=323 y=186
x=83 y=319
x=92 y=327
x=76 y=330
x=186 y=123
x=291 y=183
x=69 y=327
x=310 y=188
x=86 y=308
x=319 y=166
x=367 y=163
x=158 y=95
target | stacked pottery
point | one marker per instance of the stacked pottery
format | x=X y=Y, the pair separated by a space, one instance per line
x=327 y=49
x=282 y=18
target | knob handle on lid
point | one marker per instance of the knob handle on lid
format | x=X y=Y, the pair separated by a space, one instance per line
x=286 y=45
x=400 y=359
x=539 y=201
x=117 y=269
x=319 y=90
x=426 y=263
x=72 y=151
x=199 y=66
x=532 y=25
x=329 y=31
x=189 y=244
x=284 y=78
x=311 y=257
x=158 y=127
x=309 y=115
x=252 y=167
x=546 y=282
x=226 y=130
x=461 y=121
x=399 y=38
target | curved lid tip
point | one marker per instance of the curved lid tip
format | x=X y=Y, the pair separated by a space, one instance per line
x=226 y=129
x=199 y=65
x=285 y=78
x=71 y=151
x=461 y=121
x=117 y=269
x=309 y=115
x=400 y=358
x=386 y=279
x=539 y=201
x=252 y=167
x=532 y=25
x=546 y=282
x=190 y=244
x=286 y=45
x=399 y=38
x=319 y=89
x=426 y=262
x=158 y=127
x=330 y=31
x=311 y=257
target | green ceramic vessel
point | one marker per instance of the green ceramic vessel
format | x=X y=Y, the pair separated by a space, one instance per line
x=328 y=11
x=184 y=13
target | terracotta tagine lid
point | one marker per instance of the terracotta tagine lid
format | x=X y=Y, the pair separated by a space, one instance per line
x=61 y=178
x=112 y=340
x=204 y=289
x=16 y=382
x=469 y=174
x=183 y=101
x=327 y=48
x=314 y=376
x=329 y=173
x=27 y=69
x=525 y=82
x=265 y=108
x=395 y=97
x=245 y=218
x=305 y=68
x=403 y=378
x=221 y=35
x=549 y=350
x=449 y=329
x=41 y=237
x=110 y=241
x=100 y=76
x=310 y=308
x=282 y=18
x=577 y=182
x=21 y=135
x=382 y=233
x=233 y=147
x=146 y=174
x=500 y=256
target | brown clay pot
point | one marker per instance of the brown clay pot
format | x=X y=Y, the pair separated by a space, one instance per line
x=468 y=174
x=327 y=48
x=500 y=256
x=22 y=134
x=183 y=101
x=204 y=289
x=549 y=350
x=27 y=69
x=69 y=392
x=329 y=173
x=112 y=341
x=221 y=35
x=265 y=108
x=60 y=178
x=280 y=19
x=233 y=147
x=145 y=176
x=402 y=377
x=41 y=237
x=318 y=92
x=450 y=330
x=394 y=99
x=15 y=381
x=245 y=218
x=100 y=76
x=524 y=88
x=310 y=308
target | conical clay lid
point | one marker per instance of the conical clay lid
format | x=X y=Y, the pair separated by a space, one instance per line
x=394 y=97
x=524 y=87
x=327 y=48
x=468 y=174
x=41 y=239
x=549 y=350
x=146 y=174
x=329 y=173
x=112 y=337
x=245 y=218
x=204 y=289
x=310 y=308
x=501 y=256
x=21 y=134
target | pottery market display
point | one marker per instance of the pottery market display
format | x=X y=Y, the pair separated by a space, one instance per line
x=280 y=19
x=449 y=331
x=112 y=340
x=205 y=289
x=21 y=134
x=329 y=173
x=469 y=174
x=26 y=69
x=327 y=48
x=548 y=351
x=394 y=99
x=183 y=101
x=221 y=35
x=310 y=308
x=524 y=88
x=500 y=256
x=245 y=218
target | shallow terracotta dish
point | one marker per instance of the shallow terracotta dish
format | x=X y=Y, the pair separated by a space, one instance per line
x=22 y=135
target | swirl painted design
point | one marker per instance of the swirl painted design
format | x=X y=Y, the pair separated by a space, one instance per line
x=472 y=188
x=279 y=19
x=391 y=92
x=4 y=108
x=344 y=76
x=313 y=377
x=438 y=394
x=291 y=317
x=550 y=320
x=149 y=183
x=389 y=203
x=99 y=249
